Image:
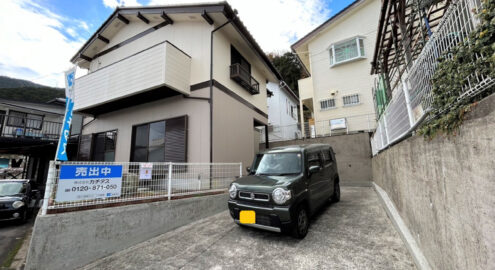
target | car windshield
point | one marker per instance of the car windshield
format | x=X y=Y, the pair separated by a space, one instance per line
x=11 y=188
x=277 y=164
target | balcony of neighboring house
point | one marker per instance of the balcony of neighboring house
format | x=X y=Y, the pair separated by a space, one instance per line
x=20 y=126
x=160 y=71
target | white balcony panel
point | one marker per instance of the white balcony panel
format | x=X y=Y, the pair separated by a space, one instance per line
x=160 y=65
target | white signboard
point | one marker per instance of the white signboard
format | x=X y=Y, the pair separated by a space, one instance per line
x=145 y=170
x=86 y=182
x=338 y=124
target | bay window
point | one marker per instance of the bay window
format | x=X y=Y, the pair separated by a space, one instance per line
x=346 y=51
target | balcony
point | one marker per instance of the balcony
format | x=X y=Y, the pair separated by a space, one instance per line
x=244 y=78
x=26 y=128
x=159 y=71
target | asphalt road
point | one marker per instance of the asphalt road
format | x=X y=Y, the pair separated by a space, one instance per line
x=10 y=234
x=352 y=234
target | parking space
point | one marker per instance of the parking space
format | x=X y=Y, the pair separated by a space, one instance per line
x=352 y=234
x=11 y=237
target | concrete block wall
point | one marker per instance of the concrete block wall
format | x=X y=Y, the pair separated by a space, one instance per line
x=444 y=190
x=72 y=240
x=353 y=154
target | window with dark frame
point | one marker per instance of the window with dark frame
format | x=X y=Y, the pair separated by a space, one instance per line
x=104 y=146
x=161 y=141
x=97 y=146
x=237 y=58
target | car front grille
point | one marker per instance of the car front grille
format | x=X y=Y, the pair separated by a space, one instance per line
x=254 y=196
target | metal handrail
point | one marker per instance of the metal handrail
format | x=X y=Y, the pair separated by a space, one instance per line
x=25 y=127
x=237 y=72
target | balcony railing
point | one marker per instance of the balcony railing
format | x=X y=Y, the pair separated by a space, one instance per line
x=244 y=78
x=26 y=128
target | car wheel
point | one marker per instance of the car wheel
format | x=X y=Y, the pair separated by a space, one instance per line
x=336 y=192
x=301 y=223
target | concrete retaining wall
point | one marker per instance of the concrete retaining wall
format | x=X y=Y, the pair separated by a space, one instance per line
x=444 y=190
x=72 y=240
x=353 y=154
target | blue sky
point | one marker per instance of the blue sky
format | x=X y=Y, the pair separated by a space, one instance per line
x=39 y=37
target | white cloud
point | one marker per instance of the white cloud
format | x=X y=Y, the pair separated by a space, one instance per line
x=33 y=45
x=118 y=3
x=84 y=25
x=275 y=24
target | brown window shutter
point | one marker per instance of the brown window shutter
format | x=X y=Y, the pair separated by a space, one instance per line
x=85 y=145
x=176 y=139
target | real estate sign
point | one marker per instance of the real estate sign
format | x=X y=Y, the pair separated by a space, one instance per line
x=86 y=182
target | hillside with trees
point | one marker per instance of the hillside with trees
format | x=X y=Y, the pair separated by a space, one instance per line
x=22 y=90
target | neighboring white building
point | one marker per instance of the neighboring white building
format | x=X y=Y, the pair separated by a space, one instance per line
x=337 y=54
x=283 y=105
x=177 y=83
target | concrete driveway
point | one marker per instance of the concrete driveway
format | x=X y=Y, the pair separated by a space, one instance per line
x=11 y=236
x=352 y=234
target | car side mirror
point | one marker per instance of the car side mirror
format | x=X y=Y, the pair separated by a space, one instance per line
x=314 y=169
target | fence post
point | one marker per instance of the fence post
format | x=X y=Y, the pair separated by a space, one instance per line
x=410 y=114
x=49 y=186
x=169 y=188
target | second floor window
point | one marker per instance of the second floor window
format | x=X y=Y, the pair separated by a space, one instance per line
x=350 y=100
x=327 y=104
x=346 y=51
x=237 y=58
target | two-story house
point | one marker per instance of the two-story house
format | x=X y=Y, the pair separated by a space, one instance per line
x=337 y=54
x=283 y=105
x=181 y=83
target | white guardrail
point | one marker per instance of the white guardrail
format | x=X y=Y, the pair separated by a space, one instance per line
x=412 y=98
x=321 y=128
x=79 y=184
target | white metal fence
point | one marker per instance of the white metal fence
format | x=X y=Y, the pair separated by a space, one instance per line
x=322 y=128
x=163 y=180
x=412 y=97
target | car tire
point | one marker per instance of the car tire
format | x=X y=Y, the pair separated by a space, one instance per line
x=301 y=223
x=336 y=192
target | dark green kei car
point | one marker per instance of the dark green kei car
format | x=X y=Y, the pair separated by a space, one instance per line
x=284 y=187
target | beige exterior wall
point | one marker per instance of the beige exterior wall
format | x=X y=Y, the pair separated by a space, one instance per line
x=233 y=122
x=233 y=132
x=346 y=78
x=198 y=140
x=221 y=64
x=192 y=37
x=305 y=88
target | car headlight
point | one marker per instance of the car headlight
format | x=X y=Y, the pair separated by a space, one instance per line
x=280 y=195
x=233 y=191
x=18 y=204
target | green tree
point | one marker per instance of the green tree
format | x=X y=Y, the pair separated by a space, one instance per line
x=289 y=67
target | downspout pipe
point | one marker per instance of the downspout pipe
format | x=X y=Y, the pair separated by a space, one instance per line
x=211 y=86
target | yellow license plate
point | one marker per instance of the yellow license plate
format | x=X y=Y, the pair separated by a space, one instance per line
x=247 y=217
